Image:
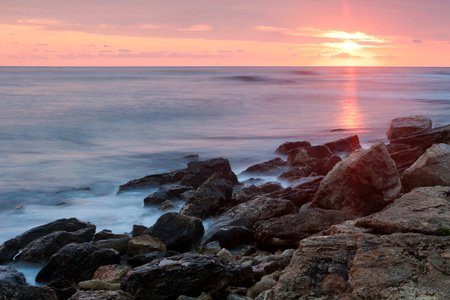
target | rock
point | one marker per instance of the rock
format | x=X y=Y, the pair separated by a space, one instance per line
x=10 y=276
x=106 y=295
x=301 y=193
x=271 y=167
x=225 y=254
x=143 y=259
x=95 y=284
x=263 y=296
x=286 y=232
x=166 y=205
x=278 y=261
x=42 y=248
x=178 y=232
x=308 y=155
x=107 y=234
x=402 y=127
x=27 y=292
x=431 y=169
x=266 y=283
x=270 y=187
x=246 y=193
x=69 y=225
x=187 y=274
x=230 y=237
x=166 y=193
x=283 y=149
x=111 y=273
x=363 y=183
x=210 y=248
x=422 y=210
x=138 y=230
x=8 y=250
x=331 y=162
x=151 y=181
x=144 y=244
x=76 y=262
x=425 y=140
x=344 y=146
x=120 y=245
x=238 y=297
x=210 y=198
x=293 y=174
x=198 y=172
x=405 y=158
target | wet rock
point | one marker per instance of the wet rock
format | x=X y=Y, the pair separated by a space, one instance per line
x=198 y=172
x=120 y=245
x=166 y=193
x=76 y=262
x=422 y=210
x=42 y=248
x=301 y=193
x=286 y=232
x=144 y=244
x=111 y=273
x=178 y=232
x=143 y=259
x=151 y=181
x=431 y=169
x=107 y=234
x=187 y=274
x=8 y=250
x=210 y=198
x=107 y=295
x=283 y=149
x=10 y=276
x=363 y=183
x=166 y=205
x=344 y=146
x=402 y=127
x=271 y=167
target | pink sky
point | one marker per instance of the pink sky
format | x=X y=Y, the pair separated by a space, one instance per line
x=224 y=33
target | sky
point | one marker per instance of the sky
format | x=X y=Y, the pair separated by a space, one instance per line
x=225 y=33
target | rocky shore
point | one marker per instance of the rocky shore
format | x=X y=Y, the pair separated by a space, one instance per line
x=352 y=223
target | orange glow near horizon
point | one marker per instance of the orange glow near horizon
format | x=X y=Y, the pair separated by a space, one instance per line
x=350 y=113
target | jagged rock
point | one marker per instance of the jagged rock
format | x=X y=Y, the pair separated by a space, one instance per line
x=272 y=167
x=106 y=295
x=143 y=259
x=301 y=193
x=198 y=172
x=308 y=155
x=230 y=237
x=178 y=232
x=286 y=232
x=402 y=127
x=144 y=244
x=8 y=250
x=151 y=181
x=283 y=149
x=431 y=169
x=10 y=276
x=422 y=210
x=166 y=193
x=111 y=273
x=107 y=234
x=210 y=198
x=42 y=248
x=363 y=183
x=120 y=245
x=187 y=274
x=76 y=262
x=95 y=284
x=345 y=146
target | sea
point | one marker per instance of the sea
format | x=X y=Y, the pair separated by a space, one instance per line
x=69 y=136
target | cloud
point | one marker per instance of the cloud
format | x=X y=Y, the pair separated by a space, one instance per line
x=385 y=56
x=149 y=26
x=124 y=50
x=417 y=41
x=89 y=45
x=198 y=27
x=107 y=46
x=76 y=56
x=38 y=44
x=345 y=55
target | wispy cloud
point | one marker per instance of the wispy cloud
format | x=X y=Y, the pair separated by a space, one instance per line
x=345 y=55
x=198 y=27
x=417 y=41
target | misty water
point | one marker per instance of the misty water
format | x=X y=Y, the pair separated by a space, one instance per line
x=70 y=136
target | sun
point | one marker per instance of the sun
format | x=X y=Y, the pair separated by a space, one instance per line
x=347 y=45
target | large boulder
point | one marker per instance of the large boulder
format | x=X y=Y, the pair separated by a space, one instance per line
x=210 y=198
x=431 y=169
x=344 y=146
x=363 y=183
x=286 y=232
x=198 y=172
x=423 y=210
x=42 y=248
x=8 y=250
x=177 y=231
x=75 y=263
x=402 y=127
x=188 y=274
x=10 y=276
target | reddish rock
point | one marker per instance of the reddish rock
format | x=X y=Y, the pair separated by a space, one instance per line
x=403 y=127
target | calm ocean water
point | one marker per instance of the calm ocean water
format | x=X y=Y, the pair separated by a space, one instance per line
x=70 y=136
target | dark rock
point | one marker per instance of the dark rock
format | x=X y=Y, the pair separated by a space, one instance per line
x=8 y=250
x=104 y=295
x=403 y=127
x=187 y=274
x=210 y=198
x=246 y=193
x=198 y=172
x=121 y=245
x=10 y=276
x=151 y=181
x=179 y=232
x=271 y=167
x=42 y=248
x=344 y=146
x=143 y=259
x=293 y=174
x=283 y=149
x=286 y=232
x=308 y=155
x=300 y=194
x=144 y=244
x=363 y=183
x=230 y=237
x=167 y=205
x=166 y=193
x=69 y=225
x=107 y=234
x=22 y=292
x=331 y=162
x=76 y=262
x=138 y=230
x=270 y=187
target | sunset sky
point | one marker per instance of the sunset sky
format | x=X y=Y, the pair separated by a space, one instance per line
x=225 y=33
